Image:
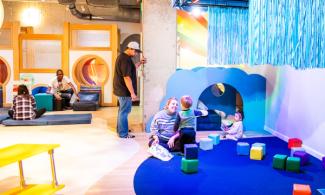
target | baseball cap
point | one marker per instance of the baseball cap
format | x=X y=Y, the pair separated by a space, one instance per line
x=134 y=45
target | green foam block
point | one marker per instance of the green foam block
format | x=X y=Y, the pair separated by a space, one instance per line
x=279 y=161
x=190 y=165
x=293 y=164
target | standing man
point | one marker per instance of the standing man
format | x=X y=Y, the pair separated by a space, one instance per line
x=125 y=86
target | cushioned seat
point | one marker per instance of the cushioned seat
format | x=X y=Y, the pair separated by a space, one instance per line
x=44 y=100
x=88 y=101
x=84 y=106
x=60 y=119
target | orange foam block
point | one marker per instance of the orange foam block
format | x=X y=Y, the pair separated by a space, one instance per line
x=300 y=189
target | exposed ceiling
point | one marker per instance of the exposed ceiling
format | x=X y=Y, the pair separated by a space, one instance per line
x=112 y=10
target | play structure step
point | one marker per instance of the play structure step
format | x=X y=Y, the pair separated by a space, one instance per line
x=33 y=189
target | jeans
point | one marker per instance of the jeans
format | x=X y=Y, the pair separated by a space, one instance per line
x=122 y=117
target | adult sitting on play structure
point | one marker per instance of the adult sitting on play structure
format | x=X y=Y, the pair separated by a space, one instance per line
x=162 y=127
x=24 y=106
x=62 y=89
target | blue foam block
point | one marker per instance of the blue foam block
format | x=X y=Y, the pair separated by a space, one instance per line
x=243 y=148
x=215 y=138
x=190 y=151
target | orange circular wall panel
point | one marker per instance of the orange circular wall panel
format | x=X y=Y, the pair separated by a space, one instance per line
x=91 y=70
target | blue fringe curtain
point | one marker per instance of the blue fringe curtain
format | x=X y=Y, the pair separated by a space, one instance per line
x=276 y=32
x=228 y=35
x=287 y=32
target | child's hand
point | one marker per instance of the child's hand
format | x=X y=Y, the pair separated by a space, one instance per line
x=156 y=140
x=171 y=142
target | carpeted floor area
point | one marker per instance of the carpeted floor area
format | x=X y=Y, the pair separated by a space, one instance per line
x=222 y=171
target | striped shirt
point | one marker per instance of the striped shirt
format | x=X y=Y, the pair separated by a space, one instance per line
x=162 y=125
x=187 y=118
x=23 y=107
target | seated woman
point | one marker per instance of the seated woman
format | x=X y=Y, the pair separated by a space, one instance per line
x=62 y=88
x=162 y=127
x=24 y=106
x=235 y=131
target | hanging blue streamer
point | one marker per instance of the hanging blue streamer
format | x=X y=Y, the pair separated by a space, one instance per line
x=228 y=35
x=287 y=32
x=277 y=32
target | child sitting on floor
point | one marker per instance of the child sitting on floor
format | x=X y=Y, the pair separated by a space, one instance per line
x=235 y=130
x=186 y=121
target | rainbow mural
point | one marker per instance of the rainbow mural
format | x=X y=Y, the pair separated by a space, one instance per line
x=192 y=37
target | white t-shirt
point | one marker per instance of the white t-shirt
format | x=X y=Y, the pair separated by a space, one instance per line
x=58 y=86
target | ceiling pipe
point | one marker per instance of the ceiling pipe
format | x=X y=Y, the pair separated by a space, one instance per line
x=123 y=15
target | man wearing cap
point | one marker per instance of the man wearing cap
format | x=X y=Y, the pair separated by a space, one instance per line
x=125 y=86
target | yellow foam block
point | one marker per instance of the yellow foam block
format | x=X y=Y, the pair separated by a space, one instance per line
x=256 y=153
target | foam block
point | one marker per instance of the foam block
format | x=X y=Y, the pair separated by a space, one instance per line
x=206 y=144
x=215 y=138
x=256 y=153
x=321 y=191
x=190 y=151
x=260 y=145
x=279 y=161
x=304 y=157
x=323 y=162
x=294 y=142
x=293 y=164
x=294 y=149
x=190 y=165
x=243 y=148
x=44 y=100
x=300 y=189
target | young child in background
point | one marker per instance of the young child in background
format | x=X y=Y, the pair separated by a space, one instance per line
x=186 y=121
x=235 y=131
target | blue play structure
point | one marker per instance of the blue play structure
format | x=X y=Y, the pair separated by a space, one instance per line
x=251 y=87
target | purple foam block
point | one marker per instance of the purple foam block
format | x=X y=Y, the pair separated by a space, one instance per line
x=304 y=157
x=323 y=162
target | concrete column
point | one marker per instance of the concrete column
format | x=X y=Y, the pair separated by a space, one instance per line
x=159 y=47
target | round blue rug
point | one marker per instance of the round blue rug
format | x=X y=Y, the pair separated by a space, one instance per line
x=222 y=171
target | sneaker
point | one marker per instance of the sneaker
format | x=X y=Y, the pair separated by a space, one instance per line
x=129 y=136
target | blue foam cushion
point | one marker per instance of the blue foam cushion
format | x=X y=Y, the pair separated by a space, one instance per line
x=85 y=96
x=60 y=119
x=40 y=89
x=3 y=117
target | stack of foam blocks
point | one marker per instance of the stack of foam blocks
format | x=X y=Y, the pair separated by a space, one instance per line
x=190 y=160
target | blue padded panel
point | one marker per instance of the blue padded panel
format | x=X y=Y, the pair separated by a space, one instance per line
x=35 y=122
x=86 y=96
x=59 y=119
x=3 y=117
